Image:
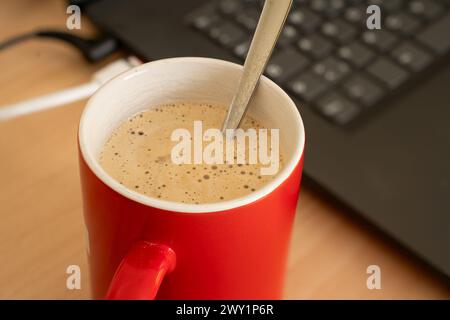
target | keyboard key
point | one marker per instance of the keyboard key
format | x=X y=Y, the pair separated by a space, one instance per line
x=227 y=34
x=318 y=5
x=331 y=69
x=381 y=39
x=331 y=8
x=339 y=30
x=230 y=7
x=337 y=5
x=388 y=72
x=316 y=45
x=204 y=22
x=356 y=53
x=306 y=20
x=248 y=18
x=288 y=36
x=356 y=14
x=337 y=108
x=204 y=18
x=436 y=36
x=307 y=86
x=286 y=64
x=411 y=56
x=425 y=8
x=363 y=90
x=402 y=22
x=241 y=50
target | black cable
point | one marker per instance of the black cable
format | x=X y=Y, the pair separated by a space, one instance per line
x=14 y=40
x=92 y=49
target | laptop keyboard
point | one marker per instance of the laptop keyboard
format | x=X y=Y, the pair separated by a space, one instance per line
x=327 y=57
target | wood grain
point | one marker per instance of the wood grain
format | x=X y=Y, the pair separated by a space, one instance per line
x=41 y=226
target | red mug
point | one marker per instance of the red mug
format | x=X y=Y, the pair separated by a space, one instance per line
x=141 y=247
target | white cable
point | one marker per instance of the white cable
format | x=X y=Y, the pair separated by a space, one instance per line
x=68 y=95
x=49 y=101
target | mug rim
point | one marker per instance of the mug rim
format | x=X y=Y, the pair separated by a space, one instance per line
x=93 y=163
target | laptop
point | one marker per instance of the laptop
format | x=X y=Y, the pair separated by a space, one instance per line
x=376 y=103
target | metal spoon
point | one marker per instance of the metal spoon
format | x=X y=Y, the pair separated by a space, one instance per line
x=269 y=27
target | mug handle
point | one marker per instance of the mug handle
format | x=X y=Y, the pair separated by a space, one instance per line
x=141 y=272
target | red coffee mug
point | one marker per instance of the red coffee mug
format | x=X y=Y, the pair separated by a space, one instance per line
x=141 y=247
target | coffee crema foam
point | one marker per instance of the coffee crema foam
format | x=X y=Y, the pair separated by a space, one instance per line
x=138 y=156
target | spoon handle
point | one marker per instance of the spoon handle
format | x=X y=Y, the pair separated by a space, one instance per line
x=269 y=27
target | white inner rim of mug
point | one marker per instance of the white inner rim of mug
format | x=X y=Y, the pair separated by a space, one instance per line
x=158 y=70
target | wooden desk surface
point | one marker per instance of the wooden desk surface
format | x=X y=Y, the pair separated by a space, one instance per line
x=41 y=229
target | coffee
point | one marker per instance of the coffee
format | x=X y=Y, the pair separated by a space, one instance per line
x=138 y=156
